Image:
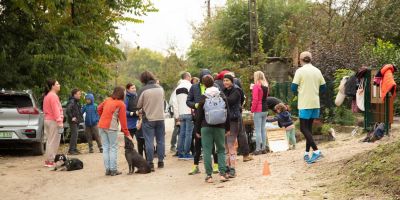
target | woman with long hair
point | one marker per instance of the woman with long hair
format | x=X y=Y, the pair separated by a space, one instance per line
x=259 y=108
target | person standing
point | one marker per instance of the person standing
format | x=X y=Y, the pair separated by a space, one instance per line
x=53 y=120
x=131 y=110
x=212 y=133
x=173 y=106
x=193 y=100
x=112 y=113
x=307 y=83
x=91 y=121
x=233 y=95
x=259 y=108
x=185 y=117
x=151 y=101
x=75 y=117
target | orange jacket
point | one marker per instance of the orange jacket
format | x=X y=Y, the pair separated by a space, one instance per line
x=388 y=83
x=111 y=112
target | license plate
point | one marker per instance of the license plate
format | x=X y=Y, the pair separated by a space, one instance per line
x=6 y=134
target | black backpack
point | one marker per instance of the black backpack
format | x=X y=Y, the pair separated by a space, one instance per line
x=351 y=86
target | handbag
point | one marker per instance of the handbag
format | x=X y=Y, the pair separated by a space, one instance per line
x=360 y=96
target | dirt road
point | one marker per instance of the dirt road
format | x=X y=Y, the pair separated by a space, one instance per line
x=24 y=177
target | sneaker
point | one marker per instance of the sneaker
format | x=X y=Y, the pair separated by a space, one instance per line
x=223 y=177
x=215 y=169
x=181 y=157
x=115 y=173
x=188 y=157
x=209 y=179
x=232 y=173
x=306 y=158
x=108 y=172
x=195 y=170
x=256 y=153
x=247 y=158
x=160 y=165
x=49 y=164
x=75 y=152
x=314 y=158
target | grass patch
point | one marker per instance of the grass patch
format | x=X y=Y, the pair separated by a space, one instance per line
x=377 y=171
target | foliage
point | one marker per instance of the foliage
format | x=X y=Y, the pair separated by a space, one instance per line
x=344 y=116
x=71 y=41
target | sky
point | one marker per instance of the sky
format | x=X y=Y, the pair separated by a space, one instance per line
x=171 y=25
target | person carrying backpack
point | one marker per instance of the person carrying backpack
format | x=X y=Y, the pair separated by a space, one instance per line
x=91 y=120
x=211 y=126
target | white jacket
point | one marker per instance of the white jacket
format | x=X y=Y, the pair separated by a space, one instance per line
x=182 y=92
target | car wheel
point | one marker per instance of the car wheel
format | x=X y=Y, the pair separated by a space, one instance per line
x=39 y=148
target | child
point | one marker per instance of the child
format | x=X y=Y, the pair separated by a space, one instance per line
x=284 y=120
x=91 y=120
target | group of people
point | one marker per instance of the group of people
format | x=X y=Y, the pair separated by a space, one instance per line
x=208 y=119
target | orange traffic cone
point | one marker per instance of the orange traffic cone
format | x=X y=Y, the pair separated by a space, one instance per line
x=266 y=171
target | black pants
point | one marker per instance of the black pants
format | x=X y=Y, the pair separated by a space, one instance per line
x=74 y=136
x=244 y=148
x=306 y=129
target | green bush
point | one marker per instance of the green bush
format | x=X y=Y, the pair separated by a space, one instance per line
x=344 y=116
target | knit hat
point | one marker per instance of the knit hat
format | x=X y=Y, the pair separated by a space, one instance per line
x=229 y=76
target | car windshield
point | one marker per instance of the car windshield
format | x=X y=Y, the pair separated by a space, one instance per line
x=15 y=101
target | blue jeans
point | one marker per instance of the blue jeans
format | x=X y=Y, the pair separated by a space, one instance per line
x=151 y=130
x=110 y=148
x=259 y=126
x=185 y=134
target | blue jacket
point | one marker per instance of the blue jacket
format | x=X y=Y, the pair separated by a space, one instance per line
x=132 y=120
x=284 y=119
x=92 y=117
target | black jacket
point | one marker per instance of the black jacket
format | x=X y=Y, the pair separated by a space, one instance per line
x=74 y=109
x=234 y=98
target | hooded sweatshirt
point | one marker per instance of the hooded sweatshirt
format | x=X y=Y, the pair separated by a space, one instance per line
x=201 y=121
x=92 y=117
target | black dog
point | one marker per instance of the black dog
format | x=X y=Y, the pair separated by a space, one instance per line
x=65 y=164
x=134 y=159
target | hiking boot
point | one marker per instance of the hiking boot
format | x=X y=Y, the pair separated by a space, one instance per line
x=160 y=165
x=247 y=158
x=232 y=173
x=195 y=170
x=115 y=173
x=108 y=172
x=215 y=169
x=91 y=151
x=315 y=157
x=306 y=158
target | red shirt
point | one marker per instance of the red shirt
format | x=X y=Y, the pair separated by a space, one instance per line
x=112 y=112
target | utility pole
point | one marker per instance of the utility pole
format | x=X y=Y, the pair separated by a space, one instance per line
x=208 y=9
x=253 y=22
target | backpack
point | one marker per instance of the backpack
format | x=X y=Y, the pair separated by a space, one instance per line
x=376 y=134
x=351 y=86
x=215 y=110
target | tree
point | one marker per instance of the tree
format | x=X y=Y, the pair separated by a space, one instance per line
x=71 y=41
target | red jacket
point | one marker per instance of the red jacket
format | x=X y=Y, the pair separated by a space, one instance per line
x=111 y=112
x=388 y=83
